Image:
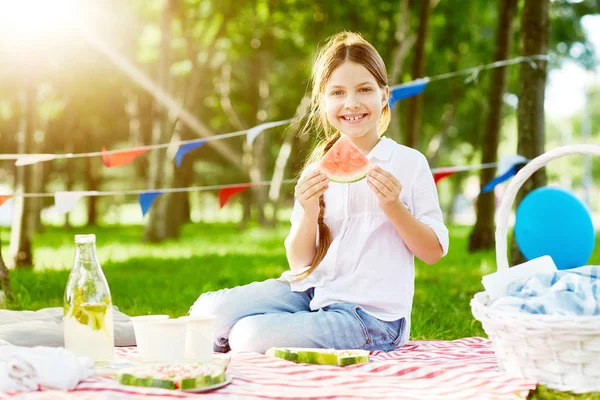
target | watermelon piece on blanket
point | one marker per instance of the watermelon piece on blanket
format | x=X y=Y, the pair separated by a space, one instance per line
x=320 y=356
x=173 y=376
x=344 y=162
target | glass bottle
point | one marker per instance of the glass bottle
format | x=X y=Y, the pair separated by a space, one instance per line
x=88 y=314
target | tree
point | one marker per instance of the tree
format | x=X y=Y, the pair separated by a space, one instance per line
x=4 y=279
x=413 y=109
x=403 y=45
x=535 y=27
x=161 y=171
x=21 y=231
x=482 y=236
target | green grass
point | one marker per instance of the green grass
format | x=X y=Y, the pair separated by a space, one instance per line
x=167 y=278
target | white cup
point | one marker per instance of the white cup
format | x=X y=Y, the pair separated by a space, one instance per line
x=145 y=338
x=160 y=339
x=199 y=338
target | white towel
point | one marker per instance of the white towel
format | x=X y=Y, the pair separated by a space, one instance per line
x=26 y=369
x=571 y=292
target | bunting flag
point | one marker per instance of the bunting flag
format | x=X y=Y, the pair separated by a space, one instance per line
x=226 y=193
x=186 y=148
x=406 y=90
x=252 y=133
x=438 y=176
x=146 y=201
x=30 y=159
x=118 y=158
x=507 y=168
x=64 y=202
x=4 y=199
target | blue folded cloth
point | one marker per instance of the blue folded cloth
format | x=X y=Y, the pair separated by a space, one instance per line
x=564 y=292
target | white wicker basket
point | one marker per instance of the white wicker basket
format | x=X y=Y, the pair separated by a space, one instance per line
x=560 y=352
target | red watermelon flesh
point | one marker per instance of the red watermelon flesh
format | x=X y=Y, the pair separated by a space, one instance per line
x=344 y=162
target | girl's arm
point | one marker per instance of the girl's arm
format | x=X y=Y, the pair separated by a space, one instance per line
x=425 y=235
x=301 y=243
x=301 y=247
x=420 y=239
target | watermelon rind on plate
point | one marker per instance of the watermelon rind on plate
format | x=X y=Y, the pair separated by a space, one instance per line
x=344 y=162
x=320 y=356
x=183 y=376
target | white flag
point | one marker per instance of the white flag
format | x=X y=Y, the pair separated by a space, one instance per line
x=29 y=159
x=507 y=162
x=64 y=202
x=252 y=133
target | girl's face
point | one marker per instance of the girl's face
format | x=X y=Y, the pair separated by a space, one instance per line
x=354 y=101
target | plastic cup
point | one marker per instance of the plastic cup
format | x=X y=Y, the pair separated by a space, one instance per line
x=160 y=339
x=200 y=336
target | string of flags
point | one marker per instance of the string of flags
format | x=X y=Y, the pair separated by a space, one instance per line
x=117 y=158
x=65 y=201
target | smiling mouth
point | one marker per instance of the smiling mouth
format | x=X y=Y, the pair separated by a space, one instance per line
x=353 y=118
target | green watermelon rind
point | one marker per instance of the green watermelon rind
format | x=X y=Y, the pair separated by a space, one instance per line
x=340 y=358
x=129 y=378
x=347 y=179
x=203 y=381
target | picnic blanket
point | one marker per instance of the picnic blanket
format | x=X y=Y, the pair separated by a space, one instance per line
x=459 y=369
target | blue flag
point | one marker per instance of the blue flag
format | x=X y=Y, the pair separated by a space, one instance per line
x=146 y=200
x=186 y=148
x=499 y=179
x=406 y=90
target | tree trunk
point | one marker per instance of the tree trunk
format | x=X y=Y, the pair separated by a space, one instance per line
x=482 y=236
x=262 y=143
x=281 y=163
x=69 y=173
x=39 y=174
x=160 y=169
x=180 y=210
x=145 y=107
x=535 y=27
x=413 y=110
x=92 y=183
x=21 y=237
x=436 y=144
x=456 y=190
x=403 y=45
x=136 y=104
x=4 y=281
x=254 y=154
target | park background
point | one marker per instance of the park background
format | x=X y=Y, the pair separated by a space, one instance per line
x=79 y=76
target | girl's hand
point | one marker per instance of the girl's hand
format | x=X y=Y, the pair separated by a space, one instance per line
x=386 y=187
x=308 y=190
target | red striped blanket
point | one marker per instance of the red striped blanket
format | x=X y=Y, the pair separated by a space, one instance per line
x=459 y=369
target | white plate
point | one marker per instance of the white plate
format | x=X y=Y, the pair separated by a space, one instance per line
x=228 y=380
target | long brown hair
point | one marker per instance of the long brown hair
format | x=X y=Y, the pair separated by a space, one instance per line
x=341 y=47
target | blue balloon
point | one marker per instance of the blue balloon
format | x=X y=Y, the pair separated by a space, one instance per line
x=552 y=221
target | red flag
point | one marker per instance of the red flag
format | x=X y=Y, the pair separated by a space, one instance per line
x=119 y=158
x=3 y=199
x=438 y=176
x=226 y=193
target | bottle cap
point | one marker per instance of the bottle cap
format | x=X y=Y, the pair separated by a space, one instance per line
x=85 y=238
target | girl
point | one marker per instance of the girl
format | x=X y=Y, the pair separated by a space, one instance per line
x=350 y=248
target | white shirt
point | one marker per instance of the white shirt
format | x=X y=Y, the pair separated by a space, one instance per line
x=368 y=263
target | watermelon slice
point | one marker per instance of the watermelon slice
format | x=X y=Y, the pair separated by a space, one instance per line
x=173 y=376
x=344 y=162
x=320 y=356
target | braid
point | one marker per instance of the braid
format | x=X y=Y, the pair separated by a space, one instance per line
x=324 y=232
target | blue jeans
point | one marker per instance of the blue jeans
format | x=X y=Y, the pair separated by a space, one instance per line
x=268 y=314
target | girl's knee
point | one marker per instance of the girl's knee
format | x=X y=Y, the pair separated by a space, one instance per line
x=247 y=335
x=208 y=303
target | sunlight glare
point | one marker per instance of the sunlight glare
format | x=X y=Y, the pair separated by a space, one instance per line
x=29 y=19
